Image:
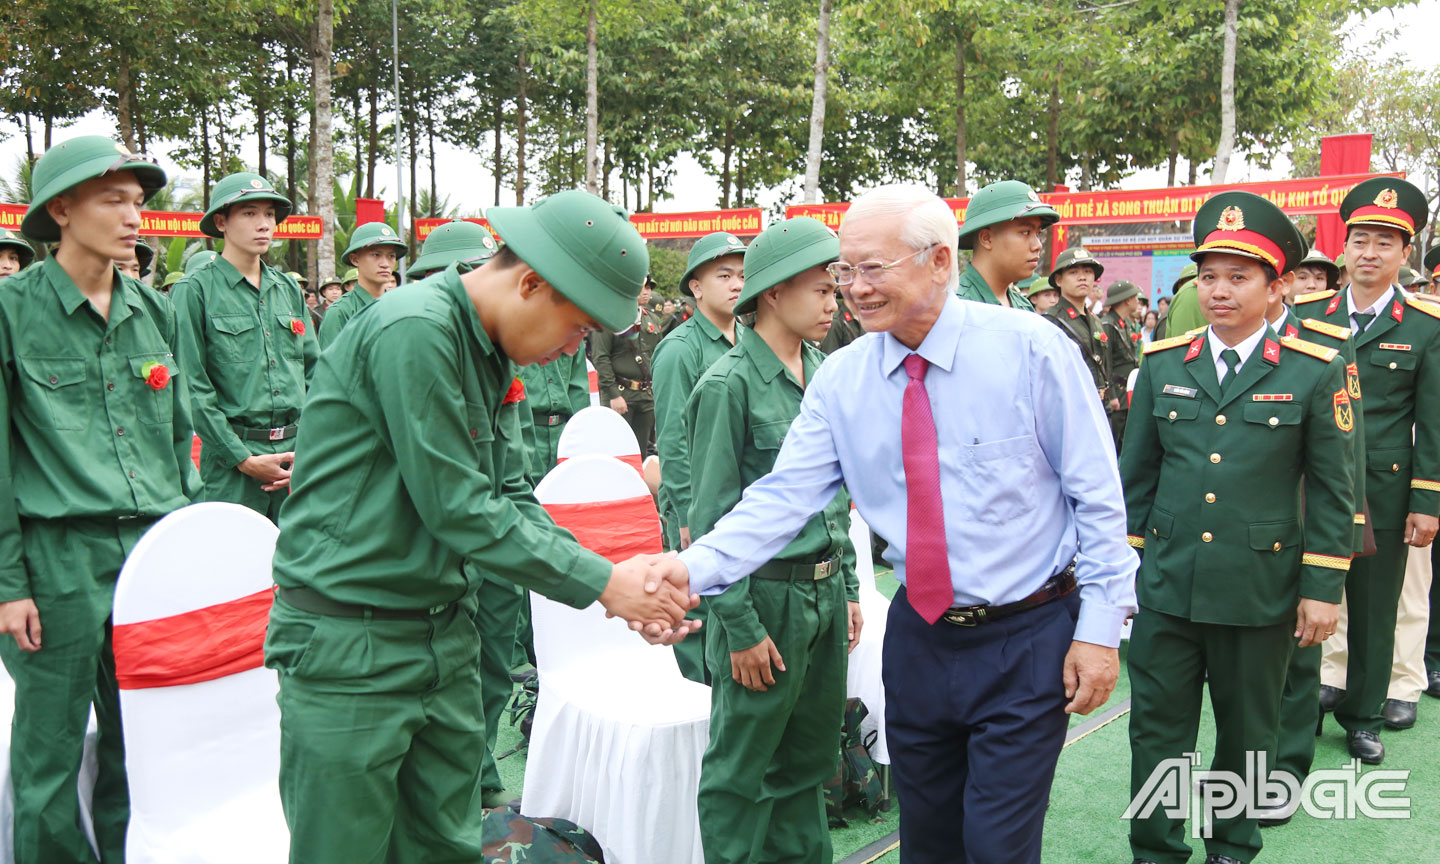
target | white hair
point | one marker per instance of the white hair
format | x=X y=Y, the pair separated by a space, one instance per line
x=927 y=220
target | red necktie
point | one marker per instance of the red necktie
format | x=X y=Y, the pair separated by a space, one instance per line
x=927 y=566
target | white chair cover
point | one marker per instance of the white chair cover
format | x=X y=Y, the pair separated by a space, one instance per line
x=203 y=759
x=599 y=430
x=618 y=733
x=863 y=678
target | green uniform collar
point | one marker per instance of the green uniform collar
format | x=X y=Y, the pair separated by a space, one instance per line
x=709 y=329
x=451 y=282
x=234 y=277
x=71 y=299
x=973 y=286
x=763 y=358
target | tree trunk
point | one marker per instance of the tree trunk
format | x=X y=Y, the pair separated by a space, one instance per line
x=373 y=145
x=1194 y=172
x=430 y=135
x=605 y=178
x=729 y=145
x=499 y=148
x=359 y=136
x=205 y=156
x=592 y=101
x=220 y=144
x=1174 y=158
x=961 y=154
x=816 y=150
x=123 y=86
x=414 y=137
x=1052 y=131
x=292 y=250
x=1084 y=173
x=49 y=127
x=520 y=109
x=1226 y=146
x=321 y=149
x=262 y=92
x=29 y=141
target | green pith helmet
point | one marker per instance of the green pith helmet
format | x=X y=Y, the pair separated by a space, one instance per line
x=351 y=275
x=16 y=243
x=1034 y=285
x=1387 y=202
x=1187 y=274
x=326 y=283
x=584 y=247
x=1076 y=257
x=1119 y=291
x=461 y=241
x=1001 y=202
x=783 y=250
x=373 y=234
x=242 y=186
x=1244 y=224
x=145 y=254
x=1316 y=258
x=200 y=259
x=1340 y=261
x=1405 y=276
x=1432 y=262
x=298 y=277
x=1419 y=281
x=171 y=278
x=70 y=163
x=714 y=245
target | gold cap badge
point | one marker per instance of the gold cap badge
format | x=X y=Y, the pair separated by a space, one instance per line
x=1388 y=198
x=1233 y=219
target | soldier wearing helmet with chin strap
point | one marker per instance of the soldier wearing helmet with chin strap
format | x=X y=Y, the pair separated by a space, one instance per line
x=1004 y=227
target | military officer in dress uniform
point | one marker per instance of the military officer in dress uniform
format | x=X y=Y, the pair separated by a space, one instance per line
x=246 y=344
x=622 y=370
x=1122 y=343
x=1075 y=274
x=1397 y=351
x=15 y=254
x=1004 y=227
x=776 y=641
x=374 y=252
x=96 y=450
x=714 y=277
x=468 y=243
x=1229 y=583
x=1432 y=641
x=410 y=464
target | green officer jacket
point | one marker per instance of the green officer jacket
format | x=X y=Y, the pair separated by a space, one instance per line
x=1331 y=336
x=410 y=461
x=844 y=329
x=349 y=305
x=1398 y=358
x=680 y=359
x=1185 y=313
x=1212 y=483
x=553 y=394
x=86 y=435
x=1088 y=334
x=973 y=287
x=738 y=415
x=626 y=354
x=1122 y=345
x=248 y=361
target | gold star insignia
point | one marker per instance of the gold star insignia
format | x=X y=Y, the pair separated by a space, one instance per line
x=1233 y=219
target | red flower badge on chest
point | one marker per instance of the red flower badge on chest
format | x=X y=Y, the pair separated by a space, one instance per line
x=297 y=326
x=516 y=393
x=1103 y=337
x=157 y=375
x=1135 y=337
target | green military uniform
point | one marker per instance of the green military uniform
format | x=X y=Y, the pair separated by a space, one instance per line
x=97 y=448
x=1122 y=345
x=1398 y=358
x=1186 y=279
x=357 y=300
x=15 y=243
x=467 y=243
x=1084 y=329
x=199 y=259
x=410 y=464
x=622 y=368
x=761 y=793
x=992 y=205
x=844 y=329
x=249 y=352
x=1196 y=451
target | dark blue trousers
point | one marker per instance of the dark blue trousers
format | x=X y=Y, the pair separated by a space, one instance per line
x=975 y=722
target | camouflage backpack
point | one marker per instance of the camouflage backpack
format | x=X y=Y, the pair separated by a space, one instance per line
x=856 y=784
x=514 y=839
x=522 y=704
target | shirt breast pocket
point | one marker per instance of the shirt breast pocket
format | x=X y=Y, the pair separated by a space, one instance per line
x=1392 y=370
x=234 y=339
x=290 y=341
x=156 y=407
x=770 y=435
x=54 y=392
x=1274 y=415
x=998 y=480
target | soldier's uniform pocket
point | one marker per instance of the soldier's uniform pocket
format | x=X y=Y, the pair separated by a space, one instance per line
x=155 y=407
x=53 y=392
x=234 y=340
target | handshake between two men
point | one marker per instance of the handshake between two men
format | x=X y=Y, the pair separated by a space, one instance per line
x=652 y=594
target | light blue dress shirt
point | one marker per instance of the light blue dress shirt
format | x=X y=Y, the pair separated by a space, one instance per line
x=1028 y=474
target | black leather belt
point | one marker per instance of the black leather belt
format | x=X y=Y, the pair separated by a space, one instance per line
x=277 y=433
x=1056 y=587
x=312 y=601
x=790 y=571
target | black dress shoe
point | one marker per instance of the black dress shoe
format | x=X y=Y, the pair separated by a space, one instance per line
x=1216 y=858
x=1270 y=817
x=1330 y=697
x=1434 y=688
x=1366 y=747
x=1398 y=714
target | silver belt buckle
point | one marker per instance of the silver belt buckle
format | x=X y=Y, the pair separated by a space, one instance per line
x=277 y=434
x=552 y=420
x=825 y=568
x=963 y=617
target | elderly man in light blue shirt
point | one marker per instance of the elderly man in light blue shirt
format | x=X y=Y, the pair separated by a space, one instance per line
x=1006 y=436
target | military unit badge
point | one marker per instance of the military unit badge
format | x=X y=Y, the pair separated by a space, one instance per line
x=1232 y=219
x=1344 y=412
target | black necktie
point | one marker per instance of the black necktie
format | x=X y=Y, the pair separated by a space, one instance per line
x=1363 y=319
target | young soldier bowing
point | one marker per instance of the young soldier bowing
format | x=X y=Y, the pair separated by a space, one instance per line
x=246 y=343
x=777 y=640
x=96 y=448
x=411 y=465
x=1230 y=582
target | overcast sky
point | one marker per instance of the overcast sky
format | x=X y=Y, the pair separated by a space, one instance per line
x=471 y=185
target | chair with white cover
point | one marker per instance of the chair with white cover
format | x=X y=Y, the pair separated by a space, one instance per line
x=599 y=430
x=618 y=732
x=202 y=727
x=863 y=678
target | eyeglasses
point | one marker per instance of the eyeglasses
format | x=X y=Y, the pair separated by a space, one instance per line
x=872 y=271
